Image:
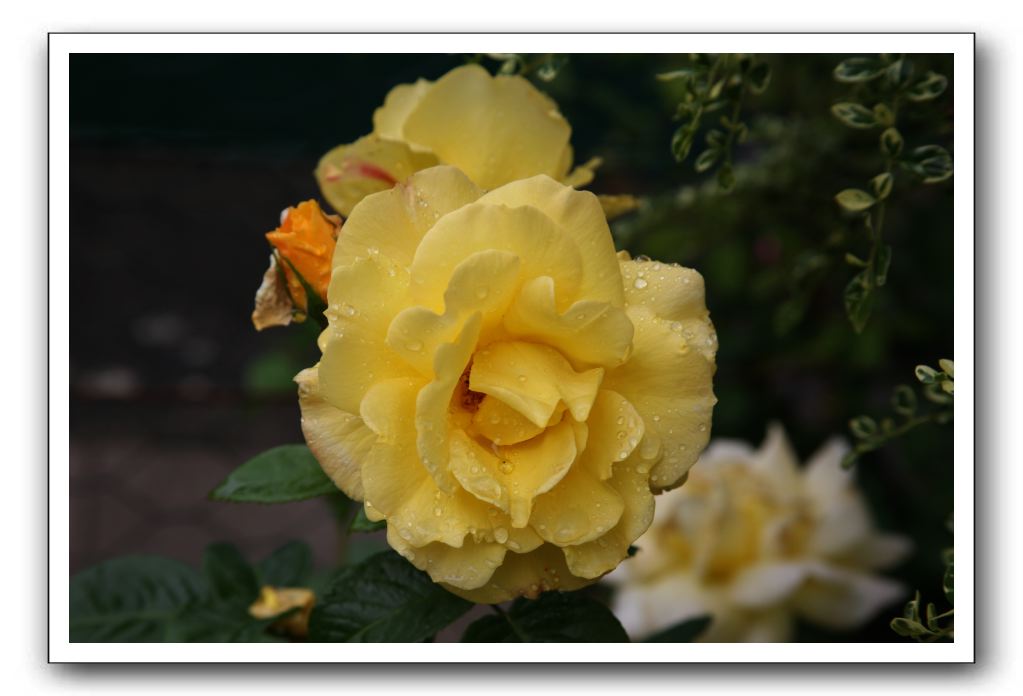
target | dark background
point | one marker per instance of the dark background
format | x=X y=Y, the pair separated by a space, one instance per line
x=180 y=164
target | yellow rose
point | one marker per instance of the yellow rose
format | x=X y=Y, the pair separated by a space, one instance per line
x=500 y=386
x=495 y=129
x=754 y=540
x=274 y=601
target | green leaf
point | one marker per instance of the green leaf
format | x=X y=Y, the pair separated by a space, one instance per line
x=681 y=73
x=881 y=185
x=280 y=475
x=726 y=178
x=904 y=400
x=707 y=159
x=908 y=627
x=854 y=115
x=288 y=566
x=900 y=72
x=684 y=632
x=884 y=115
x=859 y=69
x=682 y=143
x=232 y=580
x=383 y=599
x=932 y=163
x=863 y=427
x=926 y=375
x=855 y=200
x=555 y=617
x=859 y=300
x=217 y=623
x=891 y=143
x=361 y=523
x=758 y=78
x=130 y=599
x=930 y=87
x=882 y=264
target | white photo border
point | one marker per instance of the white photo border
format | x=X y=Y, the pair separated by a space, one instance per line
x=62 y=45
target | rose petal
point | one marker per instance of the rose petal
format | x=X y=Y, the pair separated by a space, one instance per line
x=340 y=441
x=495 y=129
x=533 y=379
x=392 y=223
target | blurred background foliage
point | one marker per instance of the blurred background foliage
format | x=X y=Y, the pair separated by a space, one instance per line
x=180 y=163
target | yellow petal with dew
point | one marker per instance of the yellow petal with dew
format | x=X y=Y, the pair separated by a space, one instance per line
x=389 y=119
x=525 y=575
x=601 y=555
x=615 y=431
x=540 y=245
x=495 y=129
x=511 y=477
x=588 y=333
x=432 y=421
x=484 y=282
x=349 y=173
x=392 y=223
x=340 y=441
x=581 y=218
x=355 y=352
x=580 y=508
x=534 y=379
x=467 y=567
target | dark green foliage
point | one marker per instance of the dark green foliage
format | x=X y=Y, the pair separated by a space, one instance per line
x=130 y=599
x=685 y=632
x=555 y=617
x=383 y=599
x=280 y=475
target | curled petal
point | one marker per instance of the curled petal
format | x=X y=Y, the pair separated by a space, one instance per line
x=392 y=223
x=349 y=173
x=580 y=217
x=589 y=333
x=534 y=379
x=340 y=441
x=524 y=575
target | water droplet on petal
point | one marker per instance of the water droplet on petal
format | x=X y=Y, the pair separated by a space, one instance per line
x=639 y=284
x=501 y=535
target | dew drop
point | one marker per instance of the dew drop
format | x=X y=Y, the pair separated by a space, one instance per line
x=703 y=427
x=639 y=284
x=482 y=292
x=437 y=512
x=348 y=310
x=414 y=346
x=501 y=535
x=522 y=378
x=507 y=467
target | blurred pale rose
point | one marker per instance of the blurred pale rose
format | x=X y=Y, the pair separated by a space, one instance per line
x=754 y=540
x=500 y=386
x=495 y=129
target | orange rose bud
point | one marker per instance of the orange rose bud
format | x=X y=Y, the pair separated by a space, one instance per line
x=305 y=242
